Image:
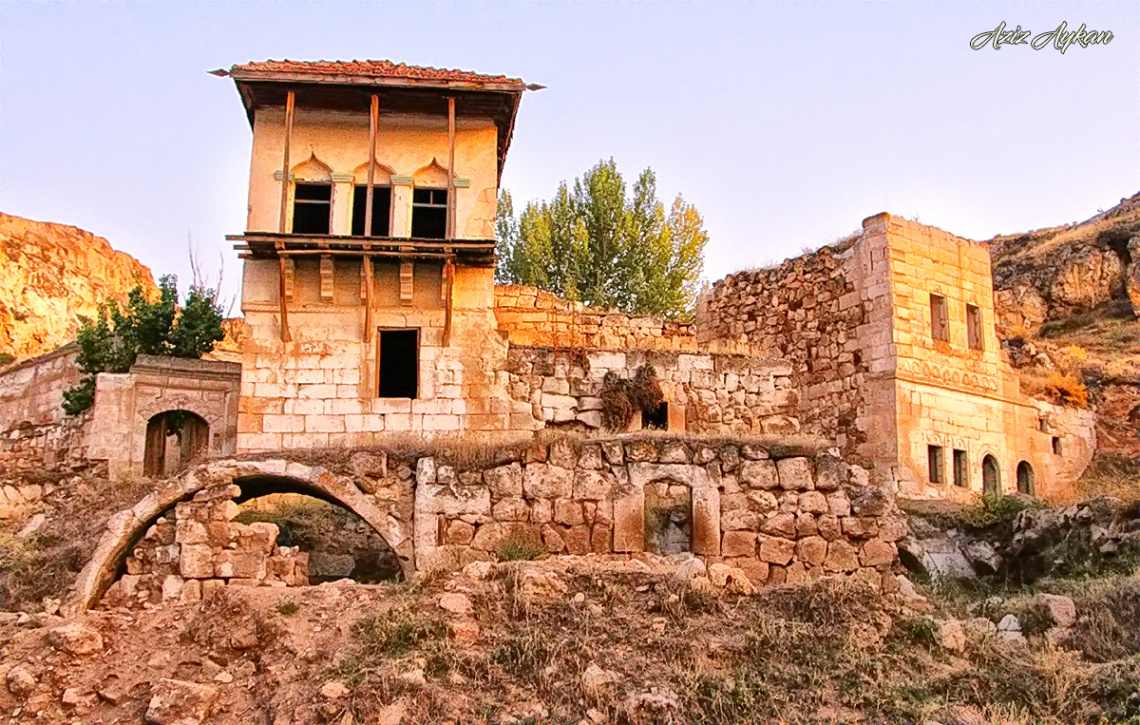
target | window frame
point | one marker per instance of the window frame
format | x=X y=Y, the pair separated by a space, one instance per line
x=939 y=318
x=935 y=464
x=293 y=209
x=975 y=340
x=379 y=361
x=364 y=202
x=961 y=464
x=446 y=206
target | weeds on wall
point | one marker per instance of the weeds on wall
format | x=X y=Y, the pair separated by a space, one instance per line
x=622 y=399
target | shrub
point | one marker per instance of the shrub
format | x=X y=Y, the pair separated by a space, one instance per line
x=288 y=609
x=621 y=398
x=993 y=509
x=518 y=548
x=1066 y=390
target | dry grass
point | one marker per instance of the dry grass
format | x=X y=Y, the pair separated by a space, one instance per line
x=1063 y=389
x=46 y=563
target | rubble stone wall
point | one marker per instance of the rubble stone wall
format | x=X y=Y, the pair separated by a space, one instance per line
x=34 y=432
x=816 y=313
x=199 y=546
x=777 y=513
x=532 y=317
x=704 y=392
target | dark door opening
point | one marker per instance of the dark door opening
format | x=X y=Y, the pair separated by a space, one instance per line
x=399 y=363
x=312 y=208
x=991 y=476
x=173 y=439
x=381 y=210
x=429 y=213
x=1025 y=478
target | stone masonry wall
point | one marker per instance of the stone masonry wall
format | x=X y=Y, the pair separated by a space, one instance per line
x=34 y=432
x=778 y=514
x=814 y=313
x=530 y=316
x=705 y=392
x=199 y=546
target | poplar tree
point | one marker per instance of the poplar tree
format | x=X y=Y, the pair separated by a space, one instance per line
x=600 y=245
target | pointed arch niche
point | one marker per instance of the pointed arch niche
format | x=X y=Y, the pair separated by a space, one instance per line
x=312 y=197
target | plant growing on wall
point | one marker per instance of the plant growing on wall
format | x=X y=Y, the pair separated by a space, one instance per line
x=111 y=342
x=622 y=398
x=598 y=245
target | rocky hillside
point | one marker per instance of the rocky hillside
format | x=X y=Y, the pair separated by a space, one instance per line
x=1067 y=301
x=50 y=275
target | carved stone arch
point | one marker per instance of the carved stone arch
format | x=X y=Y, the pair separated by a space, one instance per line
x=169 y=403
x=126 y=528
x=381 y=174
x=312 y=169
x=431 y=175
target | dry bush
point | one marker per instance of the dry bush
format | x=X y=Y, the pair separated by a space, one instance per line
x=46 y=563
x=1063 y=389
x=1109 y=624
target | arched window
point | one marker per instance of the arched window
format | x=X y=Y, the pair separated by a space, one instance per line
x=312 y=197
x=1025 y=478
x=991 y=475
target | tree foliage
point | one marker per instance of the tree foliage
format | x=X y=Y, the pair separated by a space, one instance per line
x=604 y=247
x=111 y=342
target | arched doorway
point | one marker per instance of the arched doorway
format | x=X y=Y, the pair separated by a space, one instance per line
x=1025 y=478
x=173 y=439
x=991 y=476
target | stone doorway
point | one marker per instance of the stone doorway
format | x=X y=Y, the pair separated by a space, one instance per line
x=173 y=439
x=668 y=517
x=1025 y=478
x=991 y=476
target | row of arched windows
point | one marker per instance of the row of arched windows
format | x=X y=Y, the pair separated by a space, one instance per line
x=991 y=471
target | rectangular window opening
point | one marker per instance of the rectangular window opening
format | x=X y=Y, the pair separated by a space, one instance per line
x=381 y=210
x=961 y=469
x=312 y=208
x=1056 y=445
x=939 y=321
x=429 y=213
x=974 y=326
x=399 y=364
x=658 y=418
x=935 y=463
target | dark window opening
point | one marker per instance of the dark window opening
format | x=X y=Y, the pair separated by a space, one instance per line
x=381 y=210
x=961 y=469
x=312 y=207
x=399 y=364
x=991 y=476
x=429 y=213
x=974 y=326
x=1043 y=425
x=935 y=463
x=657 y=418
x=1025 y=478
x=1056 y=445
x=939 y=321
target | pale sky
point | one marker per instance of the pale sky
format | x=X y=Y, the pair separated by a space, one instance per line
x=785 y=124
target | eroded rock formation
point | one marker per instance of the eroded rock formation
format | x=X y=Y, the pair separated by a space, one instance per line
x=50 y=275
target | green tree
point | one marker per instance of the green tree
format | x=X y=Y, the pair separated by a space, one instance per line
x=604 y=247
x=111 y=342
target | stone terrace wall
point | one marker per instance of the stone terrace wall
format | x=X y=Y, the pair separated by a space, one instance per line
x=813 y=312
x=530 y=317
x=705 y=392
x=778 y=514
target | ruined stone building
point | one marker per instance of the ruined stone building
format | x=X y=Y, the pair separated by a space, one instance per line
x=370 y=310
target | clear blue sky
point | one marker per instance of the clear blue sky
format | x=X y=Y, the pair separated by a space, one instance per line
x=785 y=124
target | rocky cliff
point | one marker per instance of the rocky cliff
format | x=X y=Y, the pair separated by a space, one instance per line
x=50 y=274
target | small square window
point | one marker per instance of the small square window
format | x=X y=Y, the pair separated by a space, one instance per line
x=381 y=210
x=939 y=320
x=974 y=326
x=934 y=460
x=312 y=207
x=658 y=418
x=961 y=469
x=429 y=213
x=1056 y=445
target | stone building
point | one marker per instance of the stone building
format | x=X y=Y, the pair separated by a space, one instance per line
x=891 y=338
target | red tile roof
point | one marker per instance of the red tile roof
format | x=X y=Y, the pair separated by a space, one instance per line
x=370 y=69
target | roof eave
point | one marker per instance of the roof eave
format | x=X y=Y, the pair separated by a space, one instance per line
x=347 y=79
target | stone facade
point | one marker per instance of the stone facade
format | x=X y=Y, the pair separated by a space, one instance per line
x=704 y=392
x=857 y=322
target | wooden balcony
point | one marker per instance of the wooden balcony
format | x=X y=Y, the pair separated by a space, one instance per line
x=271 y=245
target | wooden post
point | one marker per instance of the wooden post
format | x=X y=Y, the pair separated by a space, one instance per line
x=373 y=120
x=451 y=168
x=367 y=297
x=289 y=102
x=281 y=290
x=449 y=271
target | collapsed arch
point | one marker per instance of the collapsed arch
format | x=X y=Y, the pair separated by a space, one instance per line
x=127 y=527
